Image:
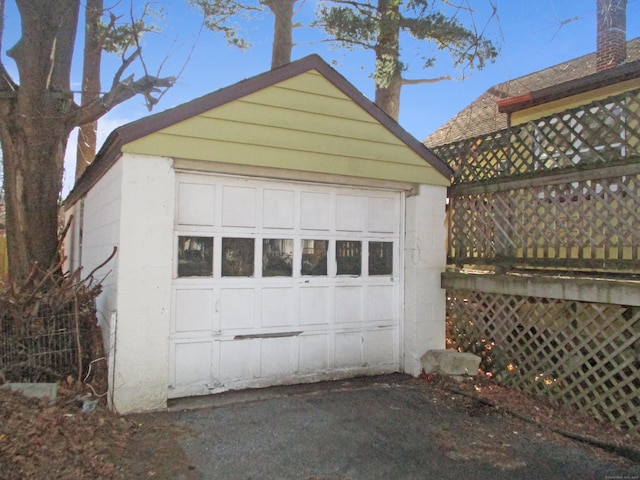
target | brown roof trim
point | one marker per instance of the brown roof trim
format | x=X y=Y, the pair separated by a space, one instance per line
x=627 y=71
x=111 y=150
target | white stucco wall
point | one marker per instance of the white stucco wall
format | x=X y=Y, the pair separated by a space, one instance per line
x=140 y=373
x=91 y=239
x=424 y=261
x=100 y=225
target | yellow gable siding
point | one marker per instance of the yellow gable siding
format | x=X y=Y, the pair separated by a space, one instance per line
x=260 y=156
x=304 y=123
x=242 y=111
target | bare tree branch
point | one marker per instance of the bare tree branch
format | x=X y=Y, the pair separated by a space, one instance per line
x=422 y=81
x=334 y=40
x=123 y=91
x=459 y=7
x=136 y=35
x=299 y=8
x=361 y=6
x=126 y=62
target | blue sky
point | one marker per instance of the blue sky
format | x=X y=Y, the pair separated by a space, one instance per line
x=531 y=34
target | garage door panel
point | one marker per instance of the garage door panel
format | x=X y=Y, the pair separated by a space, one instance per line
x=314 y=353
x=380 y=303
x=382 y=215
x=278 y=208
x=348 y=350
x=351 y=213
x=320 y=298
x=196 y=204
x=193 y=362
x=380 y=347
x=238 y=360
x=194 y=310
x=278 y=357
x=278 y=307
x=348 y=304
x=314 y=305
x=315 y=211
x=237 y=308
x=238 y=206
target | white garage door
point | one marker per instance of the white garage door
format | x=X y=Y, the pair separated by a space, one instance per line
x=282 y=282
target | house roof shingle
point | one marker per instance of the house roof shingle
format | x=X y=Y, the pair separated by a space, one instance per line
x=482 y=116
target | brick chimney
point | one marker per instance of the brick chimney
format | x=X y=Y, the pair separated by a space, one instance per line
x=612 y=33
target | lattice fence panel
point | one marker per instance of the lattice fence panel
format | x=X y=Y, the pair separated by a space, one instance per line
x=586 y=355
x=595 y=223
x=479 y=158
x=601 y=132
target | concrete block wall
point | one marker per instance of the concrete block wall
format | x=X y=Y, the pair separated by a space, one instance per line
x=140 y=371
x=424 y=262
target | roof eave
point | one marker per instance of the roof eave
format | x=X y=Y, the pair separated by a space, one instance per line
x=109 y=153
x=627 y=71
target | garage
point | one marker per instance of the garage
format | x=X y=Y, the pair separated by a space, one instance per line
x=282 y=282
x=281 y=230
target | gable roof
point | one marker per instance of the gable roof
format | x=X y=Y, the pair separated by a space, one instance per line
x=482 y=115
x=137 y=131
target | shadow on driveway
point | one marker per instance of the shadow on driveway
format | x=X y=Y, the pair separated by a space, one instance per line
x=374 y=428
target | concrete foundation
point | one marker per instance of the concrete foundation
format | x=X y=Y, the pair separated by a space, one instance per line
x=36 y=390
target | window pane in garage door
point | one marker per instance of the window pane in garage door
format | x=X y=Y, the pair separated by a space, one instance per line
x=349 y=257
x=380 y=258
x=314 y=257
x=195 y=256
x=277 y=257
x=237 y=257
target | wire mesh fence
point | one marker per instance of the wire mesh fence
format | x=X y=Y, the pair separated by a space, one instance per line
x=48 y=346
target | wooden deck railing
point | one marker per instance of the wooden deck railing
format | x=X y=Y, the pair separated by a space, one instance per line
x=558 y=192
x=603 y=132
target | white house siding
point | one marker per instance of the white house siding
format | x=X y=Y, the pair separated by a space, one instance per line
x=424 y=261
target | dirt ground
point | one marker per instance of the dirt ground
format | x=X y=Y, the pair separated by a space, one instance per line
x=38 y=440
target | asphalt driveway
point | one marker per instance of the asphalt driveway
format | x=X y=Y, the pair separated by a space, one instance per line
x=375 y=428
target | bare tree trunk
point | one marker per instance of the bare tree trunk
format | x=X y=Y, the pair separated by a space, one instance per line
x=32 y=198
x=387 y=49
x=282 y=31
x=34 y=131
x=388 y=98
x=87 y=134
x=36 y=117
